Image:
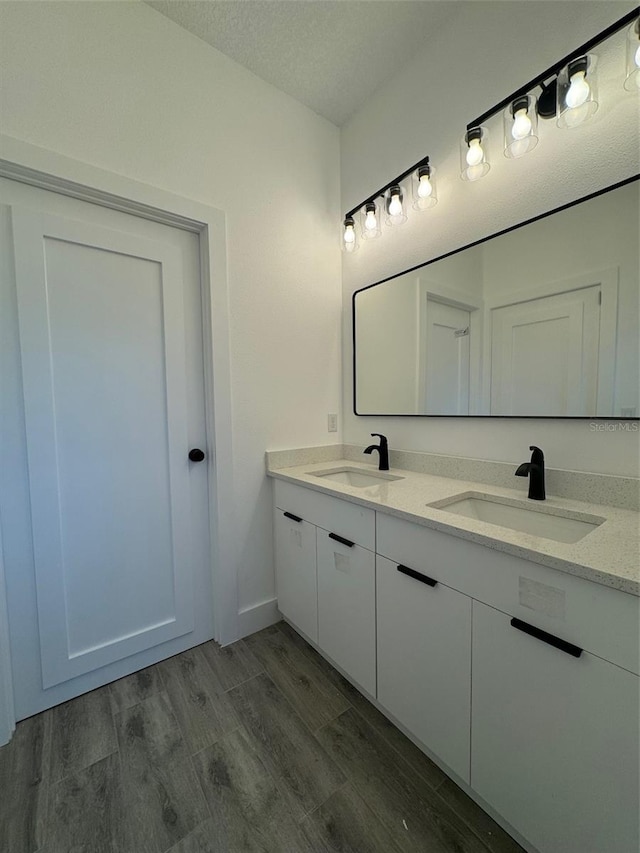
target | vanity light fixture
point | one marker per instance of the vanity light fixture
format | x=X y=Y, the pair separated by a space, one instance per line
x=390 y=200
x=370 y=221
x=349 y=235
x=520 y=126
x=568 y=93
x=474 y=160
x=423 y=183
x=632 y=83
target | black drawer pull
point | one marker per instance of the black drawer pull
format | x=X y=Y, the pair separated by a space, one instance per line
x=341 y=539
x=556 y=642
x=417 y=576
x=292 y=516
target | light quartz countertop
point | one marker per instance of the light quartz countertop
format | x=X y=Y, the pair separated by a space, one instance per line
x=608 y=555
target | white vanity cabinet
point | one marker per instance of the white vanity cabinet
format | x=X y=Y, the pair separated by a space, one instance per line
x=521 y=680
x=325 y=576
x=554 y=740
x=424 y=659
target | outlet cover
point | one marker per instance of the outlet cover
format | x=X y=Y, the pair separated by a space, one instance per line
x=332 y=423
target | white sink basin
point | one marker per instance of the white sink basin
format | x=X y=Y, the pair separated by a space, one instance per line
x=355 y=477
x=547 y=522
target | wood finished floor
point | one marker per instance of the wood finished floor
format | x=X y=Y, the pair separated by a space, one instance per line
x=261 y=747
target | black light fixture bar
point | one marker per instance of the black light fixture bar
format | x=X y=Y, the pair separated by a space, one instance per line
x=555 y=69
x=382 y=190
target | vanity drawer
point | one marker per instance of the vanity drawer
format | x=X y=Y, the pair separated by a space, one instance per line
x=594 y=617
x=353 y=522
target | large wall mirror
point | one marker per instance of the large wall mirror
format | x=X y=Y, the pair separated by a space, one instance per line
x=538 y=321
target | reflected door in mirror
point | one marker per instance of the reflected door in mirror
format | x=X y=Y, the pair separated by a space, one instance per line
x=445 y=357
x=545 y=355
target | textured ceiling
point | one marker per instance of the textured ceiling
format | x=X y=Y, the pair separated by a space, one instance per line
x=329 y=54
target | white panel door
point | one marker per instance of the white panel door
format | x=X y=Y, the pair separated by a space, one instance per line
x=447 y=360
x=544 y=355
x=116 y=538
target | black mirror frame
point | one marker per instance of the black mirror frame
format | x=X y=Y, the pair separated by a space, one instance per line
x=455 y=252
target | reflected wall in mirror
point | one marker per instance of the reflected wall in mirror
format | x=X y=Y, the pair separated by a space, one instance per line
x=540 y=321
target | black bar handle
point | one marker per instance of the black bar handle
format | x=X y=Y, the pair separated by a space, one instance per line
x=539 y=634
x=417 y=575
x=292 y=516
x=341 y=539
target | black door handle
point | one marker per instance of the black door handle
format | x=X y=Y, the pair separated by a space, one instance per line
x=551 y=639
x=417 y=575
x=292 y=516
x=341 y=539
x=196 y=455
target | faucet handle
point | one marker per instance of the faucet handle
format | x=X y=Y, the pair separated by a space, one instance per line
x=537 y=455
x=379 y=435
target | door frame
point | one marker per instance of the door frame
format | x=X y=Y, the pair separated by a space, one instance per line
x=432 y=291
x=38 y=167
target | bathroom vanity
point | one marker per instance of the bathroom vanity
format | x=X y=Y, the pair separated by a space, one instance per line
x=510 y=658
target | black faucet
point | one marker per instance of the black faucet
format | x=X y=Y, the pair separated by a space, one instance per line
x=535 y=471
x=383 y=450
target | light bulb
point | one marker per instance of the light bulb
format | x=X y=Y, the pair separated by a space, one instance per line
x=425 y=187
x=475 y=154
x=395 y=205
x=349 y=234
x=579 y=90
x=370 y=221
x=521 y=127
x=636 y=58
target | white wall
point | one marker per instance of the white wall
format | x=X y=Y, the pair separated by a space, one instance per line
x=388 y=373
x=486 y=51
x=119 y=86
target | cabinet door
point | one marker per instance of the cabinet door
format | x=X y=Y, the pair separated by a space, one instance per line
x=295 y=552
x=424 y=661
x=346 y=608
x=554 y=740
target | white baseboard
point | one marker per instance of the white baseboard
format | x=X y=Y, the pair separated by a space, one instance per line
x=257 y=617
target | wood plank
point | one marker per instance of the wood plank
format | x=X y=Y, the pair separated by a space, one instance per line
x=23 y=785
x=82 y=733
x=86 y=810
x=204 y=715
x=413 y=813
x=408 y=752
x=134 y=688
x=301 y=767
x=298 y=677
x=231 y=664
x=163 y=799
x=344 y=823
x=249 y=812
x=493 y=835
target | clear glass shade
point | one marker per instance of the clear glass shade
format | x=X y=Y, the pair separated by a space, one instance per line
x=632 y=83
x=395 y=205
x=423 y=188
x=370 y=221
x=520 y=121
x=577 y=96
x=474 y=157
x=349 y=235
